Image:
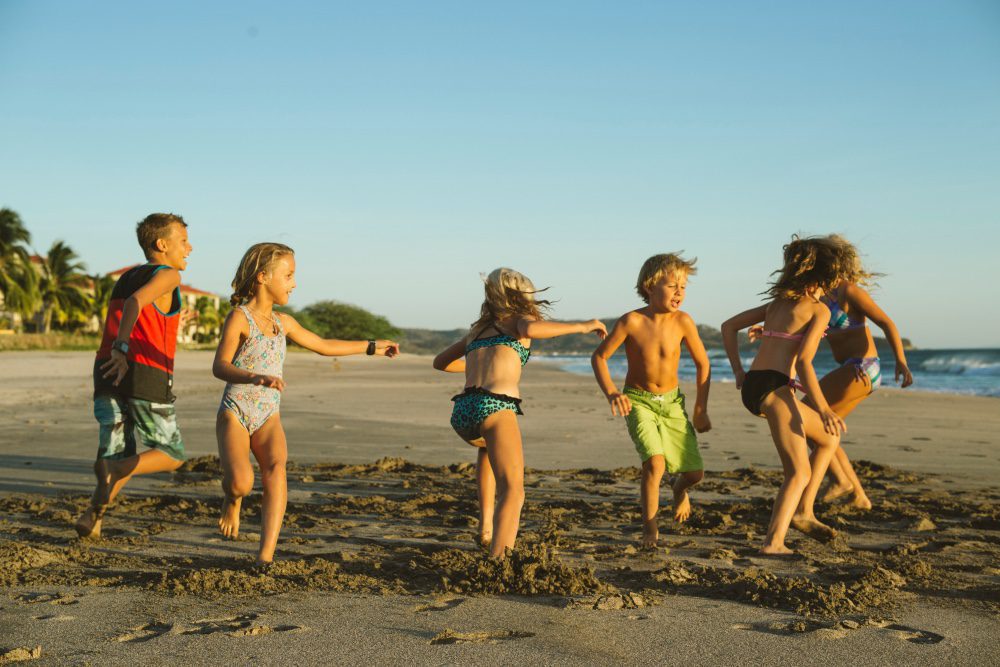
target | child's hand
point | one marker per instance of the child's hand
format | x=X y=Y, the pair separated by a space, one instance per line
x=701 y=422
x=597 y=327
x=116 y=367
x=755 y=333
x=272 y=381
x=386 y=348
x=740 y=375
x=832 y=423
x=904 y=371
x=620 y=405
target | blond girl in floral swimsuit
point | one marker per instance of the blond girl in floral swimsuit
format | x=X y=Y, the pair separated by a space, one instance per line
x=250 y=357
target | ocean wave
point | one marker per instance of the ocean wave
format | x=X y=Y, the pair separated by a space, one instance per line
x=961 y=364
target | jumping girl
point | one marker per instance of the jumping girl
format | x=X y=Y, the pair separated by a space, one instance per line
x=485 y=414
x=794 y=322
x=250 y=358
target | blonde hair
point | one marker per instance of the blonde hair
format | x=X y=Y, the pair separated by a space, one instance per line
x=658 y=266
x=260 y=258
x=509 y=294
x=813 y=261
x=851 y=268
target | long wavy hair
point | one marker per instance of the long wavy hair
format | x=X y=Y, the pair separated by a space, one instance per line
x=813 y=261
x=851 y=268
x=509 y=294
x=260 y=258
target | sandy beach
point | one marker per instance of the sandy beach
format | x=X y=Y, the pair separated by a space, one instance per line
x=376 y=561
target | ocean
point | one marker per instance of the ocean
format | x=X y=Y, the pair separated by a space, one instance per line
x=975 y=372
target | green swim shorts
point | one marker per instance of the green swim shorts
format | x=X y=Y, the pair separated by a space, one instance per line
x=124 y=422
x=659 y=426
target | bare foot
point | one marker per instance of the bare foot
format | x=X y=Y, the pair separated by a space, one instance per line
x=88 y=526
x=775 y=550
x=485 y=540
x=682 y=506
x=813 y=527
x=650 y=533
x=229 y=521
x=835 y=491
x=860 y=501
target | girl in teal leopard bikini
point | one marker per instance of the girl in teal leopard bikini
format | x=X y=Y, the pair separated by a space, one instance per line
x=485 y=414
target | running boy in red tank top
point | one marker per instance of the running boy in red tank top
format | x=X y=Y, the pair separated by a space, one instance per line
x=134 y=368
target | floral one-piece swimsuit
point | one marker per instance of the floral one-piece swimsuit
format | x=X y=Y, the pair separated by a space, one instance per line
x=264 y=355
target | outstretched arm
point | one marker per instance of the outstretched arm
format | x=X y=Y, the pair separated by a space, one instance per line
x=729 y=341
x=163 y=282
x=332 y=347
x=620 y=404
x=860 y=299
x=832 y=423
x=703 y=369
x=452 y=359
x=529 y=328
x=235 y=328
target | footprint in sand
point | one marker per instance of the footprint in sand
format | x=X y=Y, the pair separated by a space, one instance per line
x=237 y=626
x=449 y=636
x=145 y=632
x=920 y=437
x=440 y=605
x=915 y=636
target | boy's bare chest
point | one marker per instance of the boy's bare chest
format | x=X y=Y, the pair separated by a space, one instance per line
x=662 y=341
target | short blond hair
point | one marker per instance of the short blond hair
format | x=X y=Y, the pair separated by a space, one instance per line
x=658 y=266
x=154 y=227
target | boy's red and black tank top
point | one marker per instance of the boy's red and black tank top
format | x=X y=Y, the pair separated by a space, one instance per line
x=151 y=347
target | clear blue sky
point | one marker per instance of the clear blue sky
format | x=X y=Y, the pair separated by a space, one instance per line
x=403 y=148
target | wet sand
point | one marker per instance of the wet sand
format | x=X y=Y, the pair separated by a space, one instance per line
x=377 y=550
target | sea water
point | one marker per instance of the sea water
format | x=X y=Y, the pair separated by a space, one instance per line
x=958 y=371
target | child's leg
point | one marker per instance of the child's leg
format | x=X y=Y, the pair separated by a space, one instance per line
x=153 y=425
x=271 y=451
x=825 y=445
x=237 y=473
x=506 y=457
x=844 y=389
x=150 y=461
x=682 y=502
x=89 y=523
x=486 y=486
x=649 y=498
x=789 y=439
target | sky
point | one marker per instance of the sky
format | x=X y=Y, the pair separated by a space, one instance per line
x=402 y=149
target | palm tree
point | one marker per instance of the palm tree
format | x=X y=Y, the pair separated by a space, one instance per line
x=103 y=286
x=209 y=319
x=18 y=280
x=61 y=285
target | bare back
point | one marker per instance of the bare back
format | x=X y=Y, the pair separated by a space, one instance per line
x=496 y=368
x=787 y=318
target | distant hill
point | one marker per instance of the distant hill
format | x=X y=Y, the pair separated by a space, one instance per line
x=430 y=341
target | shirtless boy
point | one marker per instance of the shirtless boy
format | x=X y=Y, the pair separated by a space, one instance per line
x=651 y=401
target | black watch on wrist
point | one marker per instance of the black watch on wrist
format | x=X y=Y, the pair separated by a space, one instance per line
x=371 y=348
x=121 y=346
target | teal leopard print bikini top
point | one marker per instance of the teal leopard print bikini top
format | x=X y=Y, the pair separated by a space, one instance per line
x=500 y=339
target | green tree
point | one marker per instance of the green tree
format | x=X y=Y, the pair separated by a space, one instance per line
x=61 y=286
x=103 y=286
x=209 y=319
x=330 y=319
x=18 y=280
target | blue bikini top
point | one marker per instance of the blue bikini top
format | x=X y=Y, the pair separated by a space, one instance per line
x=838 y=318
x=500 y=339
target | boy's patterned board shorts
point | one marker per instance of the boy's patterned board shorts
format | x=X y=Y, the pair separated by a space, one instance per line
x=127 y=422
